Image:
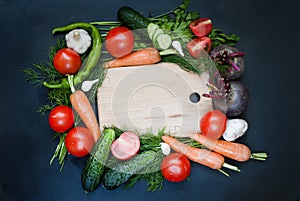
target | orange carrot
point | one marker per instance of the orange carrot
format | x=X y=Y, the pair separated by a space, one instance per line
x=139 y=57
x=202 y=156
x=85 y=111
x=236 y=151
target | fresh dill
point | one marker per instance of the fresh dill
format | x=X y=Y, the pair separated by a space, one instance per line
x=45 y=72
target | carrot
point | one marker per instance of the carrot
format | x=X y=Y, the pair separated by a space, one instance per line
x=201 y=156
x=139 y=57
x=85 y=111
x=233 y=150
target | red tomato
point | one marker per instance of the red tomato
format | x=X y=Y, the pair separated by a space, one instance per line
x=66 y=61
x=213 y=124
x=199 y=45
x=175 y=167
x=126 y=146
x=201 y=27
x=61 y=118
x=79 y=141
x=119 y=41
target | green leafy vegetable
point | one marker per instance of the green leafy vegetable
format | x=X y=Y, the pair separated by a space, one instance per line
x=218 y=38
x=177 y=21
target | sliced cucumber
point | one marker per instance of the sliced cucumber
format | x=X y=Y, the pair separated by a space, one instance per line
x=156 y=33
x=151 y=29
x=164 y=41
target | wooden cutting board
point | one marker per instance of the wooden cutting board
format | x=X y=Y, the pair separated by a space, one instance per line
x=148 y=98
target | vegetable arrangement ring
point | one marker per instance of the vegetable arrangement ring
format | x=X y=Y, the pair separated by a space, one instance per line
x=118 y=157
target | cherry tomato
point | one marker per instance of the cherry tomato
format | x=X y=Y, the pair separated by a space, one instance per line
x=198 y=46
x=213 y=124
x=126 y=146
x=61 y=118
x=119 y=41
x=66 y=61
x=201 y=27
x=79 y=141
x=175 y=167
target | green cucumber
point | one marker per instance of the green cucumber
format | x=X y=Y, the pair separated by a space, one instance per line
x=151 y=29
x=122 y=171
x=94 y=167
x=132 y=19
x=156 y=33
x=163 y=41
x=181 y=62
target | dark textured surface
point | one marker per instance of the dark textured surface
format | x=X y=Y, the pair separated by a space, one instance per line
x=268 y=36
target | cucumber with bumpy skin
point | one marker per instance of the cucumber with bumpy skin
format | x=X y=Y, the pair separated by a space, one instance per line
x=122 y=171
x=94 y=168
x=132 y=19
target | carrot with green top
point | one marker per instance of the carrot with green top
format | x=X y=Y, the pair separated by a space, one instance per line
x=202 y=156
x=233 y=150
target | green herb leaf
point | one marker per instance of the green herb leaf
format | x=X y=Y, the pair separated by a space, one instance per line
x=220 y=38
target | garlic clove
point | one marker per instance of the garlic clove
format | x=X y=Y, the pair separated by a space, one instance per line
x=177 y=46
x=235 y=128
x=87 y=84
x=165 y=148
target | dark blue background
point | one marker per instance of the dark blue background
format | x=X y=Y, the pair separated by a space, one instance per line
x=270 y=38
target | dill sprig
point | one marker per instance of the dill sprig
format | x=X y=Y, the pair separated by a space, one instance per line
x=41 y=72
x=45 y=72
x=56 y=97
x=151 y=175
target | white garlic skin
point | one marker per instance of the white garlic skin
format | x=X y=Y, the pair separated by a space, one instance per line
x=165 y=148
x=79 y=40
x=235 y=128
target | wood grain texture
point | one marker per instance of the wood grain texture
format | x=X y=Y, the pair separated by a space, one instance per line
x=148 y=98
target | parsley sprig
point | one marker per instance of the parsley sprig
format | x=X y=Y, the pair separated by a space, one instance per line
x=177 y=20
x=219 y=38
